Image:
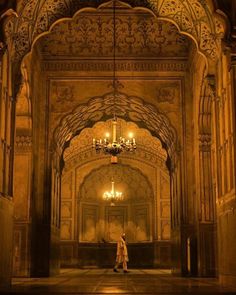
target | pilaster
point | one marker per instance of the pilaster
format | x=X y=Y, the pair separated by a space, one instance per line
x=206 y=216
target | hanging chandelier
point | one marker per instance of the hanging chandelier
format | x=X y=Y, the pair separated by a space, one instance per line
x=116 y=145
x=113 y=196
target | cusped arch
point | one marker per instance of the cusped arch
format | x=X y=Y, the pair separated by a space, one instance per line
x=130 y=108
x=193 y=18
x=120 y=174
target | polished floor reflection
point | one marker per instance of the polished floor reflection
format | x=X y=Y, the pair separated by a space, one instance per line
x=105 y=281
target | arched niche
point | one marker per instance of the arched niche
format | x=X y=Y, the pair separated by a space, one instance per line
x=133 y=214
x=142 y=176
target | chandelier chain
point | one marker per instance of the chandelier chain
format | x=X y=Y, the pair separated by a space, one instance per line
x=116 y=145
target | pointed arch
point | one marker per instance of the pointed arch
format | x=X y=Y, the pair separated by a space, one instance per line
x=196 y=19
x=131 y=108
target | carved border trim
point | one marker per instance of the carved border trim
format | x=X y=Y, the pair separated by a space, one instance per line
x=140 y=66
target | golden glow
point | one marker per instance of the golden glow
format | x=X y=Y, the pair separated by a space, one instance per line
x=131 y=135
x=114 y=146
x=113 y=195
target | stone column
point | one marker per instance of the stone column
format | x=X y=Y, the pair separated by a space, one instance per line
x=206 y=203
x=233 y=115
x=41 y=177
x=176 y=199
x=22 y=203
x=46 y=221
x=7 y=121
x=206 y=213
x=226 y=200
x=55 y=217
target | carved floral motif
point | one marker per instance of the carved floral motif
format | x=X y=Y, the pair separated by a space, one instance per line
x=131 y=181
x=191 y=16
x=23 y=141
x=167 y=93
x=90 y=35
x=143 y=137
x=130 y=107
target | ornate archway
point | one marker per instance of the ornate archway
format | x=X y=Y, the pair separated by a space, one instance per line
x=36 y=19
x=83 y=164
x=193 y=18
x=130 y=108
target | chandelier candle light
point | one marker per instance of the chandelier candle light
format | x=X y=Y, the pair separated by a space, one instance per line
x=115 y=146
x=113 y=195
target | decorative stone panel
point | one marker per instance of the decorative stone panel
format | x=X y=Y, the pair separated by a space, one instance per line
x=142 y=223
x=138 y=35
x=89 y=223
x=66 y=230
x=116 y=222
x=192 y=17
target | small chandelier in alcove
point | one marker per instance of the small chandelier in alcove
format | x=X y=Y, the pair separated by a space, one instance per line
x=113 y=196
x=116 y=145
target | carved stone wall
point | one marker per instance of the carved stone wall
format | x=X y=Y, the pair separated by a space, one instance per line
x=70 y=225
x=7 y=121
x=133 y=107
x=197 y=20
x=138 y=35
x=69 y=94
x=110 y=225
x=22 y=224
x=6 y=219
x=164 y=92
x=224 y=167
x=155 y=93
x=22 y=183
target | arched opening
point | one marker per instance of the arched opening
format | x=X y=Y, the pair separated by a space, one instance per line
x=70 y=74
x=92 y=226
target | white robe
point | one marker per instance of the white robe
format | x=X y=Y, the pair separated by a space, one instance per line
x=122 y=252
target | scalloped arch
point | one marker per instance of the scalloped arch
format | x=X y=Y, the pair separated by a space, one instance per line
x=115 y=171
x=193 y=18
x=130 y=108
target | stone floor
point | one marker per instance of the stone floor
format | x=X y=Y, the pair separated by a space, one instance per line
x=105 y=281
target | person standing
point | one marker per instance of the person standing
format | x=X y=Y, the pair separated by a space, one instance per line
x=121 y=254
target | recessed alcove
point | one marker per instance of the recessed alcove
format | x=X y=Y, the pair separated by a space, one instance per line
x=90 y=225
